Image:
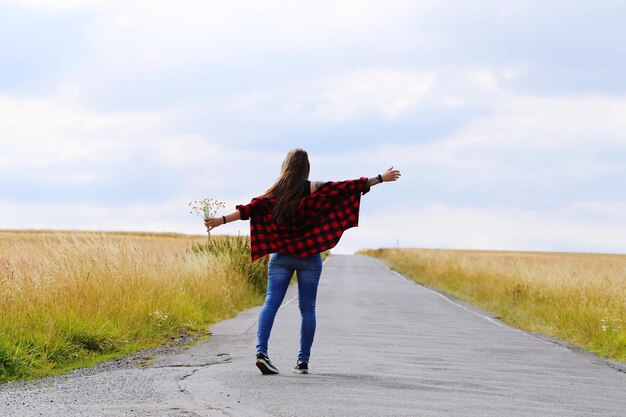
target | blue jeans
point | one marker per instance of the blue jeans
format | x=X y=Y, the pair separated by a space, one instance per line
x=279 y=272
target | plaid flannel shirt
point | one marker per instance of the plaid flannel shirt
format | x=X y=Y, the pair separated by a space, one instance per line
x=316 y=226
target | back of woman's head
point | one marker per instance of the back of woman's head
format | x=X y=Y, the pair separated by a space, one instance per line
x=287 y=189
x=296 y=165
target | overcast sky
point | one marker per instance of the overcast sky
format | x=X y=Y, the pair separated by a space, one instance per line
x=507 y=119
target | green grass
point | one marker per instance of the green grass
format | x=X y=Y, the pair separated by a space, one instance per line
x=73 y=300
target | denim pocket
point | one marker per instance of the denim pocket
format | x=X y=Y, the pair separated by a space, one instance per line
x=313 y=262
x=281 y=259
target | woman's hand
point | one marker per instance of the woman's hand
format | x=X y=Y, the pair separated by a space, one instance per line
x=212 y=222
x=390 y=175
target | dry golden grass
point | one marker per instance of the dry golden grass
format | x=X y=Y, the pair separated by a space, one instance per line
x=70 y=298
x=577 y=297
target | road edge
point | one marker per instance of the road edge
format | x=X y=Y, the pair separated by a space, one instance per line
x=491 y=316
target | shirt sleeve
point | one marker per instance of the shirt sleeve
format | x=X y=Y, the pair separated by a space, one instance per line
x=250 y=209
x=244 y=211
x=247 y=210
x=364 y=185
x=344 y=188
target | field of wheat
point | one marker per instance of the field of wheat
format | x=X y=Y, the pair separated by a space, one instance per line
x=577 y=297
x=70 y=299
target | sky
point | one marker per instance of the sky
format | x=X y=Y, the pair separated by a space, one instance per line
x=506 y=119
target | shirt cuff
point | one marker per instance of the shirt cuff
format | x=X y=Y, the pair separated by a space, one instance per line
x=365 y=187
x=243 y=211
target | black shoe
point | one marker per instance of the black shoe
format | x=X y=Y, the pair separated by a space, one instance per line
x=301 y=368
x=264 y=364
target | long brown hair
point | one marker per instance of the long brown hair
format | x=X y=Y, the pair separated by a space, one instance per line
x=288 y=186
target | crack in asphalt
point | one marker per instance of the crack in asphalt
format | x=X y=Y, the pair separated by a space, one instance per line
x=222 y=410
x=223 y=358
x=181 y=379
x=185 y=411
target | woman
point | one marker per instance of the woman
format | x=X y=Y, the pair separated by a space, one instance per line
x=294 y=221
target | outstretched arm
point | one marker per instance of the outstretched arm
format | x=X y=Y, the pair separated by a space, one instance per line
x=213 y=222
x=389 y=175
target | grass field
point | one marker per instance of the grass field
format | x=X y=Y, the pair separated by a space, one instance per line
x=580 y=298
x=70 y=299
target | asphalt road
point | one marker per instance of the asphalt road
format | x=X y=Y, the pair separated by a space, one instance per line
x=384 y=347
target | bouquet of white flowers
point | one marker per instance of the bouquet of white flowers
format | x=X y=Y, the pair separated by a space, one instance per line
x=206 y=208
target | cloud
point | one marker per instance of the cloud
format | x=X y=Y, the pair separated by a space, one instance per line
x=385 y=93
x=54 y=151
x=501 y=116
x=562 y=228
x=147 y=37
x=57 y=6
x=171 y=215
x=166 y=216
x=527 y=152
x=149 y=49
x=38 y=133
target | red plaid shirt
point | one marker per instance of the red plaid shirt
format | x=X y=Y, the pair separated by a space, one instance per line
x=318 y=224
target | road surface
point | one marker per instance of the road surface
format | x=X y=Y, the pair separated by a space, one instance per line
x=385 y=346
